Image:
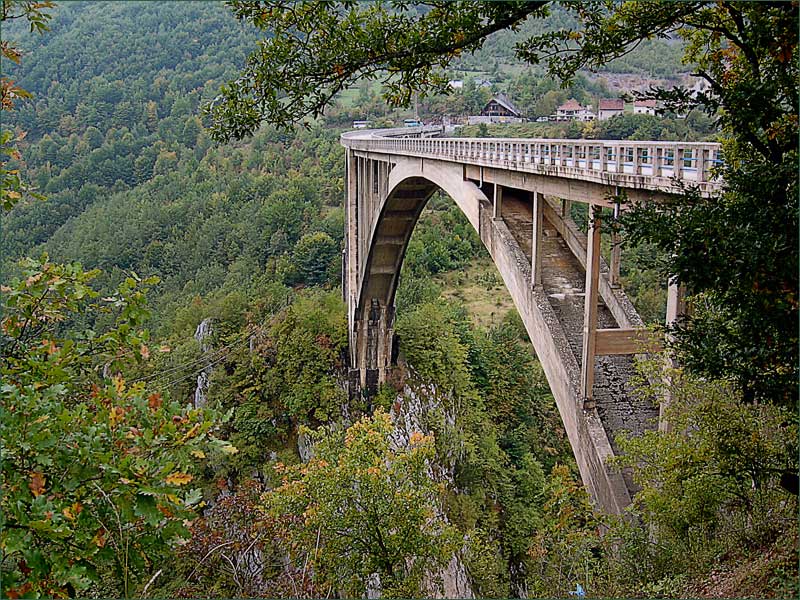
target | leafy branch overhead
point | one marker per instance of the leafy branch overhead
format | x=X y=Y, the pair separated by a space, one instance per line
x=315 y=49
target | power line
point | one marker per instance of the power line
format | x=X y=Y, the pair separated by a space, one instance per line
x=205 y=357
x=193 y=373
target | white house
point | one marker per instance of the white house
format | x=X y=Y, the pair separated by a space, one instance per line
x=572 y=110
x=644 y=107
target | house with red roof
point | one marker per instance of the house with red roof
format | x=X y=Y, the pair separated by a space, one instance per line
x=609 y=107
x=572 y=110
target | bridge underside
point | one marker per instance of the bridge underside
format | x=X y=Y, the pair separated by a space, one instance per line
x=542 y=257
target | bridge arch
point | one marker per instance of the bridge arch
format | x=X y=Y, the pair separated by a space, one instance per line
x=409 y=188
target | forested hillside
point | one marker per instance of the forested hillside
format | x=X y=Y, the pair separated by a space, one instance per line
x=175 y=420
x=108 y=116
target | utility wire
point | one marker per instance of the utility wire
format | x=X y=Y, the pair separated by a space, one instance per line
x=205 y=357
x=193 y=373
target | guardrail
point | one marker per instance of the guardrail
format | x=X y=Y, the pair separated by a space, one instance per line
x=692 y=162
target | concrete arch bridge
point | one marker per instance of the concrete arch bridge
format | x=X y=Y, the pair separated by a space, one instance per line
x=516 y=193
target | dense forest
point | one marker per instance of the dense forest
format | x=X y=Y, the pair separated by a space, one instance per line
x=174 y=416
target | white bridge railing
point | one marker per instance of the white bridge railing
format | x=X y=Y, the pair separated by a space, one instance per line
x=685 y=161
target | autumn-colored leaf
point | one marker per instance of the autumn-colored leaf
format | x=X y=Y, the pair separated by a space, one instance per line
x=178 y=478
x=23 y=567
x=99 y=538
x=37 y=483
x=191 y=433
x=229 y=448
x=154 y=401
x=116 y=415
x=33 y=279
x=145 y=352
x=72 y=512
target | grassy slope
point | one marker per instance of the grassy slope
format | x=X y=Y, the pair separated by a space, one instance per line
x=480 y=289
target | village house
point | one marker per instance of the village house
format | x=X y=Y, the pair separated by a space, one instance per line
x=610 y=107
x=572 y=110
x=499 y=109
x=644 y=107
x=501 y=106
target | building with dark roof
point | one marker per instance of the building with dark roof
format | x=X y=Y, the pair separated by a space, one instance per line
x=501 y=106
x=499 y=109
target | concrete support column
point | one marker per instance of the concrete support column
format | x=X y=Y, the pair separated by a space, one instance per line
x=360 y=200
x=616 y=247
x=352 y=242
x=677 y=170
x=536 y=246
x=676 y=308
x=590 y=307
x=348 y=259
x=375 y=336
x=702 y=162
x=497 y=202
x=676 y=302
x=566 y=208
x=616 y=257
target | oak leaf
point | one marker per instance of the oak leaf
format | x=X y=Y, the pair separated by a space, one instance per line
x=36 y=484
x=178 y=478
x=154 y=401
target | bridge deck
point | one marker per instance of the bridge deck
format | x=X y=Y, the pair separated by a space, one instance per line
x=564 y=282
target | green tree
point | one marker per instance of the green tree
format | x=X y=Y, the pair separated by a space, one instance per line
x=362 y=506
x=95 y=468
x=12 y=187
x=721 y=456
x=733 y=250
x=191 y=129
x=710 y=489
x=316 y=260
x=323 y=48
